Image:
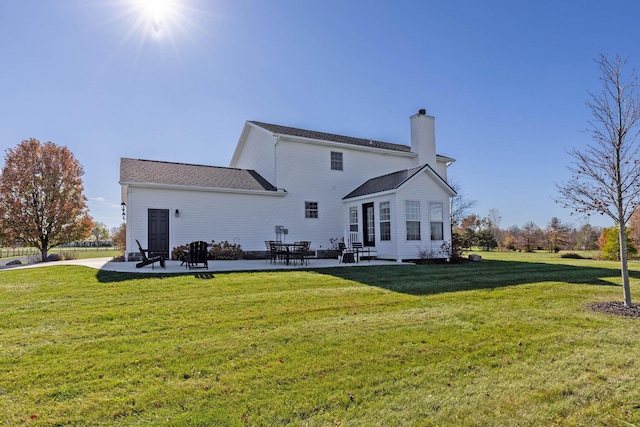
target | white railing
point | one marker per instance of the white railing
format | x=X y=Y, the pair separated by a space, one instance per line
x=350 y=237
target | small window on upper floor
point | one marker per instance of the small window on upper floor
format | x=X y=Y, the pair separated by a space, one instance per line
x=336 y=161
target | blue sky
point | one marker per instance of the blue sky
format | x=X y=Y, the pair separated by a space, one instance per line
x=506 y=80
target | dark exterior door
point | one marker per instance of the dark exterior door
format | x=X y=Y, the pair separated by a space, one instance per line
x=159 y=231
x=368 y=225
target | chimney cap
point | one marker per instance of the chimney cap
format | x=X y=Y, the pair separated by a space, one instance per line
x=422 y=111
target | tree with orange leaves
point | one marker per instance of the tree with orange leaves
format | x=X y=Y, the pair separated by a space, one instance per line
x=41 y=196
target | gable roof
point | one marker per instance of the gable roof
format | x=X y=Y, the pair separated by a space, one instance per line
x=190 y=175
x=393 y=181
x=323 y=136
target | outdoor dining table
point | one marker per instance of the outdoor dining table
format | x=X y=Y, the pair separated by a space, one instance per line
x=286 y=249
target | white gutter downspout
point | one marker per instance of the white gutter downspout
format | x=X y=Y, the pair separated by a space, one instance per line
x=275 y=156
x=124 y=196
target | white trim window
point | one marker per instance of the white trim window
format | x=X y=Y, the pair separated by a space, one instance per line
x=311 y=209
x=412 y=219
x=336 y=161
x=437 y=220
x=385 y=220
x=353 y=219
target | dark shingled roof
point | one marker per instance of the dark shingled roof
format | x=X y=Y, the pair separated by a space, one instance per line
x=303 y=133
x=183 y=174
x=391 y=181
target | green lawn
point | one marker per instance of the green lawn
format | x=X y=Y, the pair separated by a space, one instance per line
x=508 y=341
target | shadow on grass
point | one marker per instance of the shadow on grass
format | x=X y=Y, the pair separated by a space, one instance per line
x=488 y=274
x=106 y=276
x=437 y=278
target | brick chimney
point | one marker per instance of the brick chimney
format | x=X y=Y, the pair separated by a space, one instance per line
x=423 y=138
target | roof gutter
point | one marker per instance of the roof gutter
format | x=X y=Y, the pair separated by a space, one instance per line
x=279 y=192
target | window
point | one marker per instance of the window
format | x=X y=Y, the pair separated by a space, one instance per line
x=311 y=209
x=412 y=218
x=385 y=221
x=437 y=227
x=336 y=161
x=353 y=219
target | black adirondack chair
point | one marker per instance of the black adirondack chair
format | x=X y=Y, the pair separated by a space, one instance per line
x=198 y=253
x=360 y=251
x=347 y=255
x=146 y=260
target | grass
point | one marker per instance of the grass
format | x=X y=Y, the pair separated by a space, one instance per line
x=76 y=253
x=508 y=341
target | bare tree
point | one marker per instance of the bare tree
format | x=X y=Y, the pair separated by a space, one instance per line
x=606 y=174
x=460 y=205
x=530 y=236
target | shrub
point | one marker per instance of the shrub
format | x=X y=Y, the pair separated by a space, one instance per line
x=177 y=253
x=220 y=250
x=573 y=255
x=610 y=249
x=224 y=250
x=68 y=255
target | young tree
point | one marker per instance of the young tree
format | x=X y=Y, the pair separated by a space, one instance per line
x=530 y=236
x=120 y=237
x=558 y=235
x=610 y=245
x=606 y=175
x=587 y=237
x=460 y=205
x=41 y=196
x=487 y=240
x=99 y=232
x=510 y=238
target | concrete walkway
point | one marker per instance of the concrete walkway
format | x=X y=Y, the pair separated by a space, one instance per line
x=107 y=264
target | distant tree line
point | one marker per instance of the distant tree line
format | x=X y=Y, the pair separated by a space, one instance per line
x=486 y=234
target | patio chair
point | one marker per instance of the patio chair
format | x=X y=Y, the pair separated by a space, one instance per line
x=360 y=250
x=198 y=253
x=347 y=255
x=278 y=251
x=271 y=250
x=301 y=252
x=151 y=259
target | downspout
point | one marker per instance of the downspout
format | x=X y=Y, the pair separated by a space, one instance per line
x=125 y=199
x=275 y=157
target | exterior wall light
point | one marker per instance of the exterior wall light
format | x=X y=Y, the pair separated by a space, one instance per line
x=177 y=213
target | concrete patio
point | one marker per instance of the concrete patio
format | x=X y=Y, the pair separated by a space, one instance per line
x=172 y=267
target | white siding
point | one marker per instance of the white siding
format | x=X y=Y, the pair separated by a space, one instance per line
x=259 y=153
x=441 y=169
x=245 y=219
x=304 y=171
x=424 y=189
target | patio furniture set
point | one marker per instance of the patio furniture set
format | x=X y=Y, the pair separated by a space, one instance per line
x=195 y=257
x=288 y=252
x=354 y=253
x=197 y=254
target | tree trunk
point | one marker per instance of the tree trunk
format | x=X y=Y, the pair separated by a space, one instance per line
x=624 y=269
x=44 y=248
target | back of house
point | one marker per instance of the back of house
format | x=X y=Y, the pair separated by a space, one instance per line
x=290 y=184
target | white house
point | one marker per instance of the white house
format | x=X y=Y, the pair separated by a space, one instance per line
x=292 y=184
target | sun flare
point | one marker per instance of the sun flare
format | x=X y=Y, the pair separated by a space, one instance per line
x=155 y=16
x=157 y=11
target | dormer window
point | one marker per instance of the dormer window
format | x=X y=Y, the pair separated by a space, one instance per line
x=336 y=161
